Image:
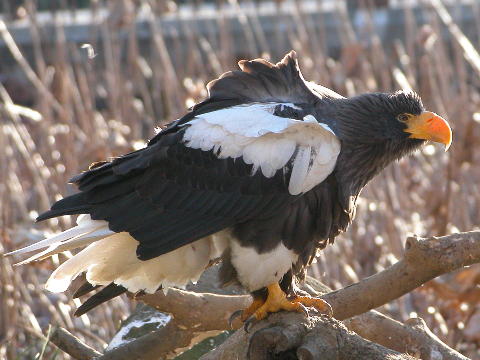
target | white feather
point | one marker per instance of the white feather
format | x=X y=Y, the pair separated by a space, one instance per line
x=74 y=243
x=271 y=154
x=268 y=142
x=299 y=170
x=113 y=259
x=85 y=226
x=256 y=270
x=251 y=120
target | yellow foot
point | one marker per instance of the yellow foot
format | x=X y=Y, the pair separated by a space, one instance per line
x=256 y=304
x=276 y=301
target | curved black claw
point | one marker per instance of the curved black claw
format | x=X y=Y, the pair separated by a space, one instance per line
x=232 y=317
x=304 y=309
x=329 y=311
x=249 y=322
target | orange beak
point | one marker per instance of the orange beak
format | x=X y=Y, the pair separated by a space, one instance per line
x=430 y=126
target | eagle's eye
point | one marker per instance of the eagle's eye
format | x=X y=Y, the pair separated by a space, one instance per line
x=403 y=117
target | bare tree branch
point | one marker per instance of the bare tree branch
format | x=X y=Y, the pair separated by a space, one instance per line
x=72 y=345
x=413 y=337
x=424 y=260
x=164 y=343
x=290 y=335
x=202 y=311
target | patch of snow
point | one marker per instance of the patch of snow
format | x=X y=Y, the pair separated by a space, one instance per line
x=124 y=335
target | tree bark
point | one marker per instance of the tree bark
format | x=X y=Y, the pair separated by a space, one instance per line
x=424 y=259
x=294 y=336
x=412 y=337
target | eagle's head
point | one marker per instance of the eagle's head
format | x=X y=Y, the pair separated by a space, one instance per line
x=378 y=128
x=398 y=119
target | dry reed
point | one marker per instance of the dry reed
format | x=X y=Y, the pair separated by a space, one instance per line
x=83 y=109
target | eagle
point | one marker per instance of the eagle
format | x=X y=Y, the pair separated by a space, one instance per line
x=259 y=176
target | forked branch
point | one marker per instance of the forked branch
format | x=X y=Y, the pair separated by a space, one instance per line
x=424 y=259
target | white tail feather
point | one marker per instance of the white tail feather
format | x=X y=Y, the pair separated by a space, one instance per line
x=85 y=227
x=113 y=259
x=74 y=243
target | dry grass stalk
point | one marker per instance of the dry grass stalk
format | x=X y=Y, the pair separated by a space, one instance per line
x=105 y=106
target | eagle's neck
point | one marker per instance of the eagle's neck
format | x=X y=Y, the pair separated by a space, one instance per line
x=359 y=163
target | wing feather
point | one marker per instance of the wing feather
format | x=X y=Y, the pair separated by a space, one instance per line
x=230 y=160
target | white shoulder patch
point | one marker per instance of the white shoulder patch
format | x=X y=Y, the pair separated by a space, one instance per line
x=268 y=142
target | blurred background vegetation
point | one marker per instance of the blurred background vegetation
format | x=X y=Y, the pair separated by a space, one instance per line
x=81 y=81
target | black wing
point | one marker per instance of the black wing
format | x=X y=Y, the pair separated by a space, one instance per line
x=168 y=195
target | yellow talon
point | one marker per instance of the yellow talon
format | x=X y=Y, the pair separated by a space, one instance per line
x=277 y=301
x=256 y=304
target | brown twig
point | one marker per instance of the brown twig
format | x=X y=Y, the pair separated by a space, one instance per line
x=25 y=66
x=469 y=51
x=72 y=345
